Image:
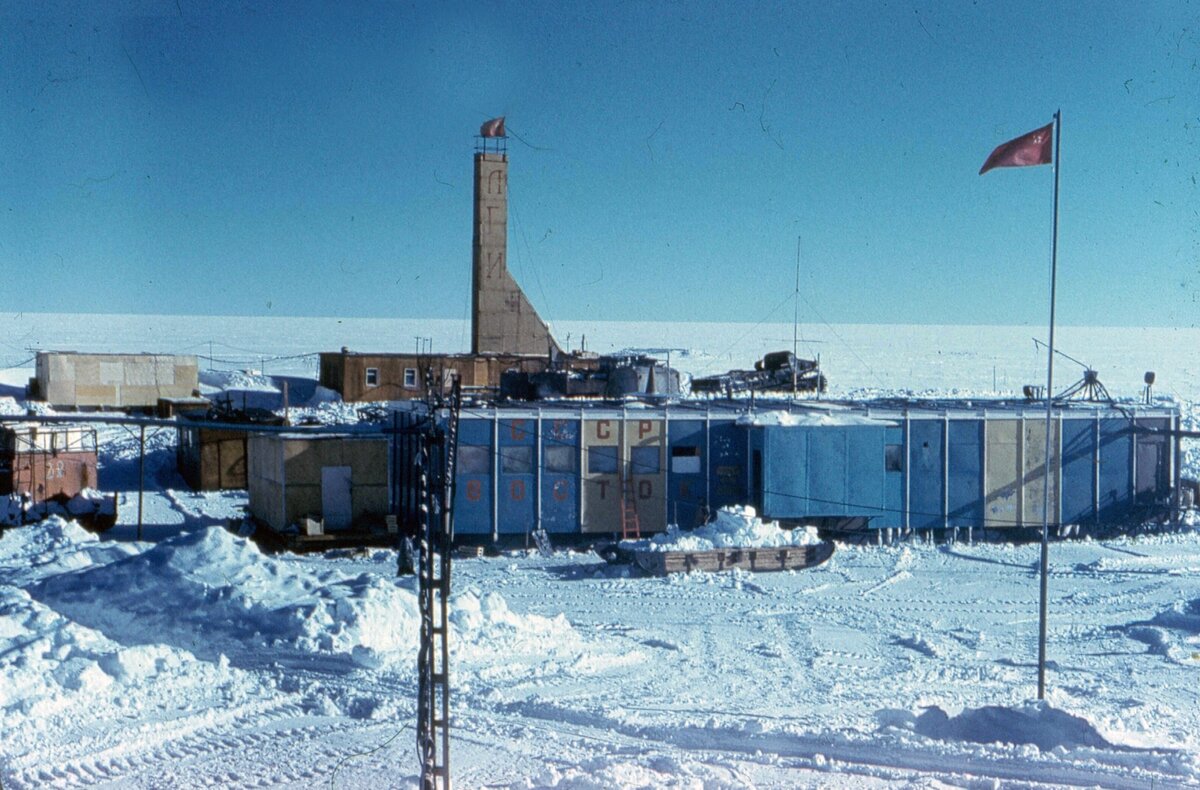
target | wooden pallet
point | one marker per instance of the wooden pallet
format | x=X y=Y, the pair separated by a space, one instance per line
x=661 y=563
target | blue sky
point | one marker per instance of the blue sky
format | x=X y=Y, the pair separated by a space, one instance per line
x=315 y=159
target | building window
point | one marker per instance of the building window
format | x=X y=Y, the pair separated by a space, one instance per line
x=560 y=459
x=893 y=458
x=372 y=377
x=410 y=378
x=685 y=460
x=475 y=459
x=644 y=461
x=602 y=460
x=516 y=460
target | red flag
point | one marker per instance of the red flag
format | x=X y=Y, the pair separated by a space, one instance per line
x=492 y=128
x=1028 y=149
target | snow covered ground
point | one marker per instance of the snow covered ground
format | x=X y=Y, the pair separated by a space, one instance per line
x=190 y=659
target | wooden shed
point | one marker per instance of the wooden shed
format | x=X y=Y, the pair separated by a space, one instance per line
x=340 y=480
x=212 y=459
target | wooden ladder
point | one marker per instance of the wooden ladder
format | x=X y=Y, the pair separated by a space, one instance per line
x=630 y=526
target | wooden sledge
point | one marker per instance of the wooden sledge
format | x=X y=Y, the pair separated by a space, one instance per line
x=661 y=563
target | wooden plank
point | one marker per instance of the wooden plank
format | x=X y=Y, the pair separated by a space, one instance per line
x=758 y=560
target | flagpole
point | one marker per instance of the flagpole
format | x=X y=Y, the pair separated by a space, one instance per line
x=1045 y=563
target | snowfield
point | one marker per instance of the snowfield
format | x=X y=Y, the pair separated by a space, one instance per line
x=192 y=659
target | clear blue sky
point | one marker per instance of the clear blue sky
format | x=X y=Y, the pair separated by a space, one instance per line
x=315 y=158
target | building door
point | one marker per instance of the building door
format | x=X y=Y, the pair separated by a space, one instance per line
x=1150 y=470
x=335 y=497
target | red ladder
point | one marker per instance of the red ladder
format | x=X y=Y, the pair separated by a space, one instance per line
x=630 y=526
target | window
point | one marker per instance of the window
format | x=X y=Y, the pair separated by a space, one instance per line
x=474 y=459
x=516 y=460
x=893 y=458
x=685 y=460
x=372 y=377
x=410 y=378
x=560 y=458
x=602 y=460
x=644 y=461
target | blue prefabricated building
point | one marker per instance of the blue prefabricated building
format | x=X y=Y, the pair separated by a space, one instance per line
x=904 y=465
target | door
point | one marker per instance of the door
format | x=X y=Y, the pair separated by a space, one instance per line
x=335 y=497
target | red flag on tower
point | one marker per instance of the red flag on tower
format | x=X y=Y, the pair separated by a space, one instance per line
x=1028 y=149
x=492 y=128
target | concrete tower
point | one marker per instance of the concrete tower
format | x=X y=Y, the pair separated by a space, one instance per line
x=502 y=319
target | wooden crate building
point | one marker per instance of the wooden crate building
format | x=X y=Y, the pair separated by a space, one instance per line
x=215 y=458
x=340 y=480
x=67 y=379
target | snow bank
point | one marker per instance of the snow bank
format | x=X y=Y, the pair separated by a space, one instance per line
x=646 y=772
x=211 y=588
x=211 y=591
x=823 y=418
x=213 y=381
x=1036 y=723
x=49 y=664
x=52 y=547
x=736 y=527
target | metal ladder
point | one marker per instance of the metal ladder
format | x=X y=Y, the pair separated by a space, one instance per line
x=437 y=455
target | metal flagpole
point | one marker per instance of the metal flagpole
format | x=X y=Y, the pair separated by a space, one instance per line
x=1042 y=614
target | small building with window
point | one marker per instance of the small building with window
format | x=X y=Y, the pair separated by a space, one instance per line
x=361 y=377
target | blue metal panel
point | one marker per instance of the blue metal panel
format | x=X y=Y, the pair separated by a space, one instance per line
x=516 y=492
x=822 y=471
x=1116 y=471
x=782 y=486
x=473 y=491
x=866 y=490
x=965 y=494
x=560 y=476
x=827 y=472
x=685 y=472
x=1078 y=471
x=926 y=484
x=893 y=479
x=727 y=463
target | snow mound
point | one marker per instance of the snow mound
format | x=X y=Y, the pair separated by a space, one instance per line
x=52 y=547
x=648 y=772
x=240 y=380
x=49 y=663
x=212 y=591
x=9 y=405
x=736 y=527
x=210 y=587
x=1172 y=634
x=1036 y=723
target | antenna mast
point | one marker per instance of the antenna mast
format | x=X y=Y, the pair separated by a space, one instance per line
x=796 y=317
